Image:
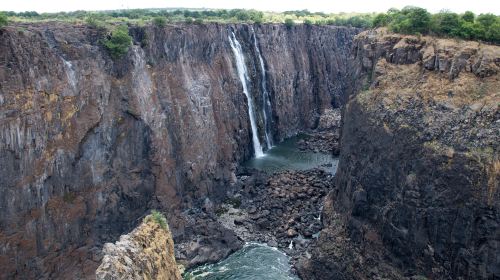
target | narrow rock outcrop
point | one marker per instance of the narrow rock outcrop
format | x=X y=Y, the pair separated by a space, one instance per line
x=145 y=253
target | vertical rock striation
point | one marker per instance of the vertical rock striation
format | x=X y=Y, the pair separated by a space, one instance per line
x=417 y=184
x=88 y=144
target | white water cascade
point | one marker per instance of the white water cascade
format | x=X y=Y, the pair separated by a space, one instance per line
x=70 y=74
x=266 y=103
x=243 y=74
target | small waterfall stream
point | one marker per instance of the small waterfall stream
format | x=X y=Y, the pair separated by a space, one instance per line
x=243 y=74
x=70 y=73
x=266 y=103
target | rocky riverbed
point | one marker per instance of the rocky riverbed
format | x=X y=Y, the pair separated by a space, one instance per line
x=323 y=141
x=280 y=209
x=326 y=136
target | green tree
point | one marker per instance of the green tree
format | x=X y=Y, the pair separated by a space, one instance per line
x=3 y=20
x=470 y=30
x=119 y=42
x=359 y=21
x=446 y=23
x=419 y=19
x=256 y=16
x=410 y=20
x=259 y=20
x=381 y=20
x=493 y=33
x=308 y=22
x=468 y=16
x=159 y=21
x=158 y=218
x=489 y=25
x=289 y=22
x=486 y=20
x=242 y=15
x=94 y=20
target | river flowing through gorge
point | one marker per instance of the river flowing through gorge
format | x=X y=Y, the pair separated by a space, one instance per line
x=234 y=134
x=268 y=260
x=285 y=163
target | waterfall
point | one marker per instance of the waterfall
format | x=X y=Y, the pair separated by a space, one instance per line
x=242 y=73
x=266 y=103
x=70 y=73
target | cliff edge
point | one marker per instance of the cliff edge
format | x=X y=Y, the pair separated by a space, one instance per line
x=417 y=185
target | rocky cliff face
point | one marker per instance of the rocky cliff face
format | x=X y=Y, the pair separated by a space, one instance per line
x=145 y=253
x=88 y=144
x=417 y=184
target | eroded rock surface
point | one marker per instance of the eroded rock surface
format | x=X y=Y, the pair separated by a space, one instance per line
x=282 y=209
x=417 y=185
x=145 y=253
x=88 y=144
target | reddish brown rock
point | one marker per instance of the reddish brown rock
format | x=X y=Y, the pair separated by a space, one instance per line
x=88 y=144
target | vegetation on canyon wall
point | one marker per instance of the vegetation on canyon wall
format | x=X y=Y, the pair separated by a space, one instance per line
x=409 y=20
x=158 y=218
x=118 y=42
x=414 y=20
x=3 y=20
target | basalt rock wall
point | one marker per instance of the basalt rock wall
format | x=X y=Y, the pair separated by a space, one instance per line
x=417 y=184
x=88 y=143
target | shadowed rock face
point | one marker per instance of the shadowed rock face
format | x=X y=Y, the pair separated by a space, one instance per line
x=417 y=184
x=88 y=144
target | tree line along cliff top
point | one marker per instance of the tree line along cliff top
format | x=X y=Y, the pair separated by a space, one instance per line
x=409 y=20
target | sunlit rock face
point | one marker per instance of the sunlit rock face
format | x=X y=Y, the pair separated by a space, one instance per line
x=419 y=170
x=145 y=253
x=88 y=144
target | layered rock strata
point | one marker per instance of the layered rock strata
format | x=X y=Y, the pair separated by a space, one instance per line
x=419 y=168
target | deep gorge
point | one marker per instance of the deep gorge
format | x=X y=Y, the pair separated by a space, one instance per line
x=89 y=145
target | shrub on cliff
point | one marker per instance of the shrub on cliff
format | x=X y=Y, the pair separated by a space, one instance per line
x=411 y=20
x=308 y=22
x=119 y=42
x=158 y=218
x=95 y=20
x=489 y=26
x=414 y=20
x=381 y=20
x=159 y=21
x=468 y=16
x=3 y=20
x=246 y=15
x=446 y=23
x=289 y=22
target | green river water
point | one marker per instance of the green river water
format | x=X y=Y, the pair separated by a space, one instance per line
x=286 y=156
x=253 y=262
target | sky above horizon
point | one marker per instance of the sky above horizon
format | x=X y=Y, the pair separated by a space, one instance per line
x=329 y=6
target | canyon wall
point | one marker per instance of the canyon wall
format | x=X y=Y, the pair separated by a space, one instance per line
x=417 y=183
x=88 y=144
